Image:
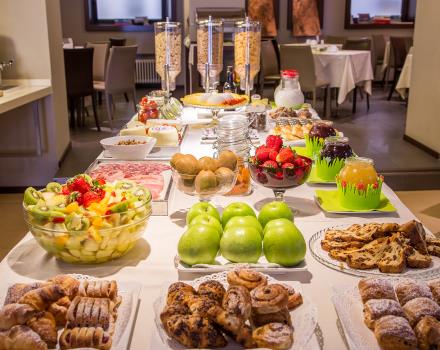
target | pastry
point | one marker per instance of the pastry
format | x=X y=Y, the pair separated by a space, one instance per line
x=15 y=314
x=232 y=325
x=417 y=308
x=329 y=245
x=247 y=278
x=410 y=289
x=282 y=316
x=269 y=299
x=59 y=310
x=395 y=333
x=341 y=254
x=21 y=338
x=414 y=231
x=374 y=309
x=17 y=290
x=199 y=305
x=213 y=290
x=361 y=233
x=434 y=250
x=178 y=291
x=376 y=288
x=428 y=333
x=41 y=298
x=368 y=256
x=416 y=259
x=194 y=332
x=172 y=310
x=91 y=312
x=434 y=286
x=294 y=298
x=86 y=337
x=45 y=326
x=68 y=283
x=237 y=301
x=276 y=336
x=98 y=289
x=393 y=259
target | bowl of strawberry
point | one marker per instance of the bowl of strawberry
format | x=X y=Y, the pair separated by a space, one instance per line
x=278 y=167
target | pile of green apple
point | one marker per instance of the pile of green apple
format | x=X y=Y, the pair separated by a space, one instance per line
x=240 y=236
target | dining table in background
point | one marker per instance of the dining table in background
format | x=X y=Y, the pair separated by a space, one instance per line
x=404 y=82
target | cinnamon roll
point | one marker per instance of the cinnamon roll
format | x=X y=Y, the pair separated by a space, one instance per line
x=269 y=299
x=282 y=316
x=213 y=290
x=178 y=291
x=276 y=336
x=237 y=301
x=247 y=278
x=295 y=298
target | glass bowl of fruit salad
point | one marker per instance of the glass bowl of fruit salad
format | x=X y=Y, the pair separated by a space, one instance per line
x=278 y=168
x=87 y=220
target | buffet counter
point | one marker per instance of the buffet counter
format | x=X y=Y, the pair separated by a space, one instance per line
x=23 y=91
x=151 y=262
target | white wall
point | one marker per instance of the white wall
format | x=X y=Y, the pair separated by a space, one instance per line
x=423 y=122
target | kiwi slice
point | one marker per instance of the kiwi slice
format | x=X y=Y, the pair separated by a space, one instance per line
x=32 y=196
x=41 y=212
x=76 y=222
x=61 y=207
x=141 y=193
x=120 y=207
x=125 y=185
x=54 y=187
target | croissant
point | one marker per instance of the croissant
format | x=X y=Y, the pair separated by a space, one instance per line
x=41 y=298
x=68 y=283
x=15 y=314
x=59 y=310
x=21 y=338
x=87 y=337
x=45 y=326
x=17 y=290
x=98 y=289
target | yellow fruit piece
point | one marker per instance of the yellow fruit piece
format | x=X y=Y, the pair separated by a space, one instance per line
x=72 y=207
x=98 y=208
x=95 y=235
x=97 y=221
x=60 y=241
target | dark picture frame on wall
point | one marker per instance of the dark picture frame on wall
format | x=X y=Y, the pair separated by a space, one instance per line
x=276 y=8
x=290 y=10
x=407 y=17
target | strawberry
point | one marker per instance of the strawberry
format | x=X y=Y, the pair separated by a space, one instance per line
x=279 y=174
x=288 y=166
x=58 y=220
x=78 y=184
x=299 y=162
x=270 y=164
x=90 y=197
x=274 y=142
x=299 y=173
x=65 y=191
x=262 y=178
x=285 y=156
x=262 y=154
x=273 y=155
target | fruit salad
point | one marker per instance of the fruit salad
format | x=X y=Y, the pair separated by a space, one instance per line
x=87 y=220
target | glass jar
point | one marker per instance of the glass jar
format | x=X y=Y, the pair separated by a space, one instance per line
x=357 y=171
x=247 y=47
x=322 y=129
x=172 y=109
x=147 y=109
x=336 y=147
x=210 y=51
x=288 y=93
x=158 y=96
x=233 y=135
x=168 y=51
x=256 y=112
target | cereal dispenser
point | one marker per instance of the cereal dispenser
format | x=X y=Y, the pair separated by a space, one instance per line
x=168 y=48
x=247 y=46
x=209 y=51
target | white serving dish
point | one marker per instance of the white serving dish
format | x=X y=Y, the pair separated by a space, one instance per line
x=128 y=152
x=304 y=317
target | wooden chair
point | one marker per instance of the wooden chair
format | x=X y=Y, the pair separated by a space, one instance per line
x=117 y=42
x=100 y=58
x=336 y=40
x=79 y=83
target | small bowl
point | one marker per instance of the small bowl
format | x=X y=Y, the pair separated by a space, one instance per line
x=128 y=152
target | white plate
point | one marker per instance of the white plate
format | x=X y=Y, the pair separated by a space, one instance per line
x=224 y=265
x=125 y=321
x=322 y=256
x=304 y=317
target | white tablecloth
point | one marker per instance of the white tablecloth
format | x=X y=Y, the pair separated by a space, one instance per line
x=150 y=263
x=404 y=81
x=345 y=69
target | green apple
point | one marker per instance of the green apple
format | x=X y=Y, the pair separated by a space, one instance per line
x=284 y=245
x=241 y=244
x=277 y=223
x=245 y=221
x=236 y=209
x=198 y=245
x=274 y=210
x=201 y=208
x=207 y=220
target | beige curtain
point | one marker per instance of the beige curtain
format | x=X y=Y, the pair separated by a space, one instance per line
x=264 y=12
x=305 y=18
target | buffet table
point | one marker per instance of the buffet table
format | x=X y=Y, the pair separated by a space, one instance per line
x=150 y=263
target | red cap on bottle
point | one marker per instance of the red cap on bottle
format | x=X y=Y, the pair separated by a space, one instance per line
x=289 y=73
